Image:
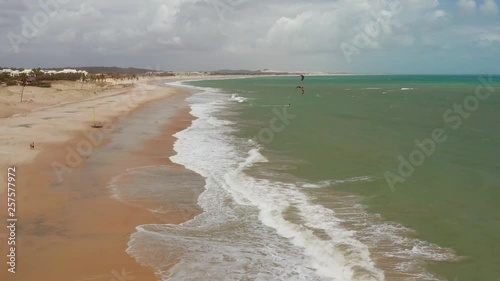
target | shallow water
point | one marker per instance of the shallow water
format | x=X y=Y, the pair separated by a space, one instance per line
x=310 y=200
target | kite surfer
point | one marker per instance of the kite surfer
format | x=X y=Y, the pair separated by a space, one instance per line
x=300 y=87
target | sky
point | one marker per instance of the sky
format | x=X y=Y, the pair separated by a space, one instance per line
x=357 y=36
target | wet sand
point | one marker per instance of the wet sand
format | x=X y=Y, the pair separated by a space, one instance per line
x=74 y=229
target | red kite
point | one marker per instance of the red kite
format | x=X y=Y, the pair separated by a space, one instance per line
x=300 y=87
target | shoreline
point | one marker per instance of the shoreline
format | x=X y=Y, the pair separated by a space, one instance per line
x=66 y=228
x=57 y=124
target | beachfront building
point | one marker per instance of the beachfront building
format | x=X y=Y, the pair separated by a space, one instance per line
x=192 y=73
x=7 y=70
x=11 y=72
x=159 y=73
x=73 y=71
x=49 y=72
x=28 y=71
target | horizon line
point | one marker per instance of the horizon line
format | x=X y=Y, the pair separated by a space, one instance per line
x=261 y=70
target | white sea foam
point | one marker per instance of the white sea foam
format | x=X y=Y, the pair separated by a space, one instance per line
x=235 y=97
x=243 y=215
x=407 y=89
x=245 y=231
x=227 y=241
x=393 y=243
x=328 y=183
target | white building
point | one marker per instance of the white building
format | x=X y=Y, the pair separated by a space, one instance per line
x=73 y=71
x=28 y=71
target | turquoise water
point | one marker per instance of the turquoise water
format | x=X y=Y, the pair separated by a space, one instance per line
x=351 y=133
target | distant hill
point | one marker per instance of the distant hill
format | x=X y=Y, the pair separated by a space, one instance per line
x=270 y=72
x=246 y=72
x=141 y=71
x=237 y=71
x=114 y=69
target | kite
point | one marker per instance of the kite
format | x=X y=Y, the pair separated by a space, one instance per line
x=300 y=87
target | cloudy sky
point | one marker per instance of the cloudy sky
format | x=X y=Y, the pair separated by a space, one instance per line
x=363 y=36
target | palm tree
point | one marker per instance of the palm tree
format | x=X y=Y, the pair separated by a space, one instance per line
x=37 y=72
x=24 y=79
x=103 y=79
x=93 y=79
x=83 y=80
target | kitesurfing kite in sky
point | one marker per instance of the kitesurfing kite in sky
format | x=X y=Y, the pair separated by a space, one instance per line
x=300 y=87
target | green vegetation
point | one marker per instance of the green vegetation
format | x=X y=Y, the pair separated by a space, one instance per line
x=37 y=77
x=41 y=84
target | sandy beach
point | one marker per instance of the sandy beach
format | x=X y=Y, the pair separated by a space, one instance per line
x=70 y=227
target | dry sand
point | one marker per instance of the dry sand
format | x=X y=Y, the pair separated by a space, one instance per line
x=58 y=115
x=59 y=92
x=73 y=230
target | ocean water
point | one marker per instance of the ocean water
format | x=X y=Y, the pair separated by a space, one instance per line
x=360 y=178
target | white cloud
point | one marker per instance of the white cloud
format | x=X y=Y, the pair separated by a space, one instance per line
x=424 y=4
x=164 y=19
x=86 y=10
x=489 y=7
x=290 y=32
x=406 y=40
x=67 y=36
x=436 y=17
x=487 y=39
x=174 y=41
x=440 y=14
x=189 y=34
x=467 y=5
